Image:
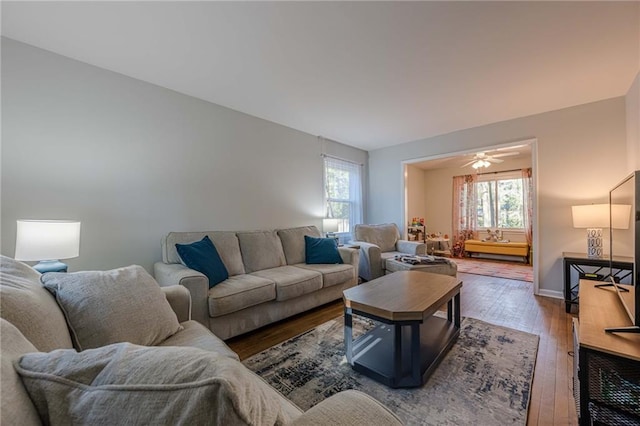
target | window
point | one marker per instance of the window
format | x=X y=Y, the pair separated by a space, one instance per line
x=343 y=193
x=500 y=202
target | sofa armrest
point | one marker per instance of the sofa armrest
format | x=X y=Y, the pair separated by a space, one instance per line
x=351 y=257
x=370 y=265
x=180 y=300
x=198 y=285
x=348 y=408
x=411 y=247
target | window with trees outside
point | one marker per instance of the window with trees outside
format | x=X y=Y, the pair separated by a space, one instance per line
x=343 y=193
x=501 y=201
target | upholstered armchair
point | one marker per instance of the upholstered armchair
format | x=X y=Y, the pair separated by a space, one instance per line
x=379 y=243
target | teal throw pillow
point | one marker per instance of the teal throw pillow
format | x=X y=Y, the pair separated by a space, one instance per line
x=321 y=250
x=203 y=257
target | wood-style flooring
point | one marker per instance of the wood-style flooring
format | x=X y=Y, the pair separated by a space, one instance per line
x=495 y=300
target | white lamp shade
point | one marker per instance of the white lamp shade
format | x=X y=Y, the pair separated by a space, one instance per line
x=330 y=225
x=591 y=216
x=47 y=239
x=597 y=216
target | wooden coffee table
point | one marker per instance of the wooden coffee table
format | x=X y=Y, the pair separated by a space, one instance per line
x=407 y=344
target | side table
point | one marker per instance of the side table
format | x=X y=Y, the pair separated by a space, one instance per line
x=442 y=243
x=578 y=266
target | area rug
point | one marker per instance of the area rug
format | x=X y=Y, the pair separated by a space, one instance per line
x=512 y=271
x=485 y=379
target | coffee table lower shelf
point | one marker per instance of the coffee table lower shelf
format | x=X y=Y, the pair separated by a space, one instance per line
x=400 y=354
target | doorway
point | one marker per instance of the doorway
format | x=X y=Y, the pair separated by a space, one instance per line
x=428 y=193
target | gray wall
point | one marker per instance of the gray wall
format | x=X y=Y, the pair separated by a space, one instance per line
x=633 y=125
x=581 y=155
x=134 y=161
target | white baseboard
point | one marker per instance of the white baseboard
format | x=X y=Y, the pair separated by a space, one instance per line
x=551 y=293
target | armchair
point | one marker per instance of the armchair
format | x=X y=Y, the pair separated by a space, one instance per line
x=379 y=243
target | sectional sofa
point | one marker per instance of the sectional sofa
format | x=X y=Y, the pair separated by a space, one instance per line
x=268 y=277
x=64 y=359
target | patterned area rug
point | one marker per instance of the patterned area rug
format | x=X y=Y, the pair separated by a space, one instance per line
x=485 y=379
x=512 y=271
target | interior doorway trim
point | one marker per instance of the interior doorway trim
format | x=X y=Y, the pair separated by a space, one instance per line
x=533 y=142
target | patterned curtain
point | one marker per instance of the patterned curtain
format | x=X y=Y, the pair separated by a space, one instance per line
x=527 y=189
x=465 y=221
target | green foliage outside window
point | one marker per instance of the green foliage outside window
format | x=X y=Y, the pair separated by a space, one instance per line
x=338 y=202
x=501 y=204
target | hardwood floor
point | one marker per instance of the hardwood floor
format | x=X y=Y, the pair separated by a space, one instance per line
x=495 y=300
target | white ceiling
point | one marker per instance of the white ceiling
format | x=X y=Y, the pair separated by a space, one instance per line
x=368 y=74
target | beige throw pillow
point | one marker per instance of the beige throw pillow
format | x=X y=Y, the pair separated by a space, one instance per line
x=130 y=384
x=120 y=305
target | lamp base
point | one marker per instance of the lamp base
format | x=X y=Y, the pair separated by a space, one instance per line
x=594 y=243
x=333 y=236
x=50 y=266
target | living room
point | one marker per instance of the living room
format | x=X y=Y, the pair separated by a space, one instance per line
x=98 y=128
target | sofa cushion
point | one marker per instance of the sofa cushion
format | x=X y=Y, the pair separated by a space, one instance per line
x=129 y=384
x=240 y=292
x=293 y=242
x=331 y=274
x=261 y=250
x=202 y=256
x=14 y=400
x=26 y=304
x=226 y=243
x=121 y=305
x=384 y=236
x=291 y=281
x=196 y=335
x=321 y=250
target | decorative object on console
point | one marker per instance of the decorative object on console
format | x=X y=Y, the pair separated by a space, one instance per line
x=47 y=241
x=594 y=217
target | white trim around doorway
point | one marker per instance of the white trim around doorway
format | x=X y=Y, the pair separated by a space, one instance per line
x=533 y=142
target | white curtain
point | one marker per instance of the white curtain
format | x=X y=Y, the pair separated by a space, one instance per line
x=343 y=193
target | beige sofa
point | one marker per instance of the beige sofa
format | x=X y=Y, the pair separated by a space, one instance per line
x=268 y=278
x=379 y=243
x=33 y=325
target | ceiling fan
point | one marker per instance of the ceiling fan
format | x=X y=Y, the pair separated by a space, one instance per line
x=481 y=159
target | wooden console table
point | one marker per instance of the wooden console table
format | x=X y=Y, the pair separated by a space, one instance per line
x=590 y=268
x=608 y=387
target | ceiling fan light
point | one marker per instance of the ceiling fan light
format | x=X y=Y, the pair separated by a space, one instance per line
x=480 y=164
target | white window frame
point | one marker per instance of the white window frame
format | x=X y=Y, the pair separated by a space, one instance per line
x=355 y=192
x=487 y=177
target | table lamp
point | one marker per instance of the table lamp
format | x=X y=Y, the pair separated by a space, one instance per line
x=47 y=241
x=330 y=227
x=594 y=217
